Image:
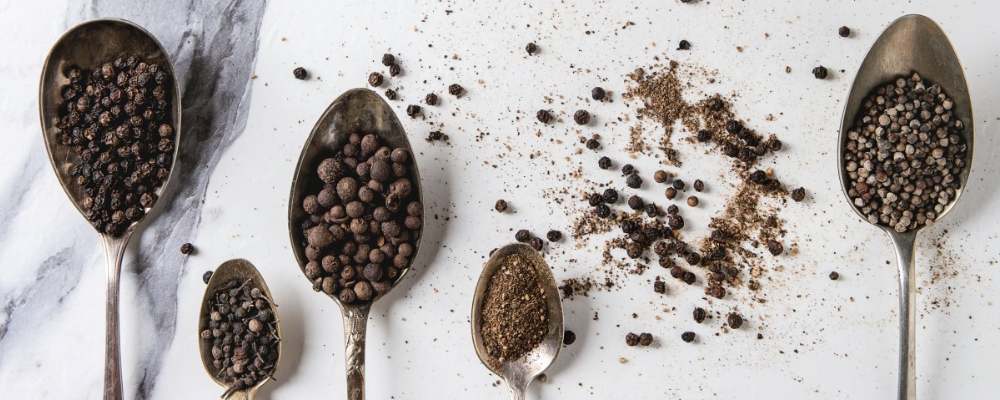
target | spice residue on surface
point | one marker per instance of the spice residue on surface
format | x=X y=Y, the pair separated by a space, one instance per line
x=515 y=317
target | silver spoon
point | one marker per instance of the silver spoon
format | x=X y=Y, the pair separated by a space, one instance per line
x=363 y=111
x=520 y=372
x=242 y=271
x=87 y=45
x=911 y=43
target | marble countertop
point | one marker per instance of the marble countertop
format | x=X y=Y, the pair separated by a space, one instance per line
x=246 y=119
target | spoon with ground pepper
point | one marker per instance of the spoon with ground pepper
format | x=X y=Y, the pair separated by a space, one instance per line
x=357 y=110
x=93 y=45
x=264 y=312
x=912 y=43
x=518 y=373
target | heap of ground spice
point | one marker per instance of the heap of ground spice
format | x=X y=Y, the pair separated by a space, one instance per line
x=515 y=317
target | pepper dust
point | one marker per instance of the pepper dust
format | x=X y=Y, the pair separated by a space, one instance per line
x=515 y=317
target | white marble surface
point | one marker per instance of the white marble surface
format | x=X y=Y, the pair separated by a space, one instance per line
x=823 y=339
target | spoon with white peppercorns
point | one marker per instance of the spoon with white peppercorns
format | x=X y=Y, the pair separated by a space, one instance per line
x=906 y=150
x=355 y=213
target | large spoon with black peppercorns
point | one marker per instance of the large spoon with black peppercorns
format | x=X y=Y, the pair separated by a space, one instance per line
x=357 y=111
x=520 y=372
x=912 y=43
x=105 y=45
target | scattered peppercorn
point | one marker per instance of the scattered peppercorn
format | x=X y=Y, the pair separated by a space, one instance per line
x=834 y=276
x=455 y=89
x=699 y=185
x=431 y=99
x=375 y=79
x=633 y=181
x=671 y=193
x=678 y=184
x=522 y=236
x=844 y=31
x=610 y=196
x=704 y=135
x=799 y=194
x=394 y=70
x=775 y=247
x=660 y=176
x=187 y=248
x=412 y=110
x=554 y=235
x=299 y=73
x=631 y=339
x=388 y=59
x=531 y=48
x=820 y=72
x=569 y=337
x=537 y=243
x=659 y=287
x=687 y=336
x=581 y=117
x=673 y=209
x=645 y=339
x=604 y=163
x=501 y=206
x=699 y=314
x=628 y=169
x=602 y=211
x=206 y=276
x=684 y=45
x=598 y=93
x=593 y=144
x=692 y=201
x=735 y=321
x=652 y=210
x=390 y=94
x=543 y=116
x=676 y=222
x=635 y=202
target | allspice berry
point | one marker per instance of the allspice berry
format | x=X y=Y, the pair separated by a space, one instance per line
x=660 y=176
x=692 y=201
x=671 y=193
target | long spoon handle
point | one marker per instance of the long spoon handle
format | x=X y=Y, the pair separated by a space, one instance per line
x=355 y=331
x=907 y=315
x=114 y=251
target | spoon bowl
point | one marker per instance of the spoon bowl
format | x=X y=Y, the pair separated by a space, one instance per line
x=520 y=372
x=911 y=43
x=242 y=271
x=357 y=110
x=87 y=45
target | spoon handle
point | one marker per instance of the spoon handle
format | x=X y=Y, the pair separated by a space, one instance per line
x=114 y=251
x=355 y=331
x=517 y=386
x=907 y=315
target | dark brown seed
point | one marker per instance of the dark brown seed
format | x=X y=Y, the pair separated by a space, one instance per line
x=388 y=59
x=688 y=277
x=531 y=48
x=543 y=116
x=834 y=276
x=501 y=206
x=692 y=201
x=684 y=45
x=671 y=193
x=604 y=163
x=775 y=247
x=522 y=236
x=645 y=339
x=687 y=336
x=602 y=211
x=628 y=169
x=844 y=31
x=569 y=337
x=375 y=79
x=394 y=70
x=660 y=176
x=699 y=315
x=820 y=72
x=455 y=89
x=633 y=181
x=537 y=243
x=676 y=222
x=735 y=321
x=598 y=93
x=610 y=196
x=704 y=135
x=631 y=339
x=206 y=276
x=581 y=117
x=390 y=94
x=187 y=248
x=300 y=73
x=593 y=144
x=431 y=99
x=699 y=185
x=799 y=194
x=678 y=184
x=659 y=287
x=412 y=110
x=635 y=202
x=554 y=235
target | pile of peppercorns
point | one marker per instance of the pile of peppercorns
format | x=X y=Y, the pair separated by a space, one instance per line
x=116 y=118
x=905 y=154
x=363 y=225
x=243 y=333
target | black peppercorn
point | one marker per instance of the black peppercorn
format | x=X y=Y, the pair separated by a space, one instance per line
x=834 y=276
x=673 y=209
x=631 y=339
x=775 y=247
x=844 y=31
x=598 y=93
x=431 y=99
x=799 y=194
x=676 y=222
x=678 y=184
x=569 y=337
x=633 y=181
x=593 y=144
x=412 y=110
x=693 y=258
x=554 y=235
x=704 y=135
x=206 y=276
x=537 y=243
x=455 y=89
x=688 y=336
x=652 y=210
x=581 y=117
x=610 y=196
x=699 y=315
x=684 y=45
x=604 y=163
x=300 y=73
x=820 y=72
x=595 y=199
x=602 y=211
x=659 y=287
x=531 y=48
x=394 y=70
x=390 y=94
x=388 y=59
x=699 y=185
x=735 y=321
x=734 y=126
x=187 y=248
x=774 y=145
x=635 y=202
x=628 y=169
x=543 y=116
x=501 y=206
x=645 y=339
x=522 y=236
x=375 y=79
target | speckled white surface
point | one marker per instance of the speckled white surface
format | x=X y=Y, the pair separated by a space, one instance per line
x=822 y=339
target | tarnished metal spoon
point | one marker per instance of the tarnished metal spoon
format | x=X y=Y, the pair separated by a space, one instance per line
x=520 y=372
x=911 y=43
x=87 y=46
x=362 y=111
x=242 y=271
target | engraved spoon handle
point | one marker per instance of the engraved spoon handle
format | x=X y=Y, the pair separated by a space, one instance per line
x=904 y=244
x=114 y=251
x=355 y=330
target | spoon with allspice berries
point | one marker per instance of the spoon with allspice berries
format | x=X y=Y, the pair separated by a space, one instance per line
x=355 y=213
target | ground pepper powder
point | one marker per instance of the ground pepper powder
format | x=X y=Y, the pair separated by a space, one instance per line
x=515 y=316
